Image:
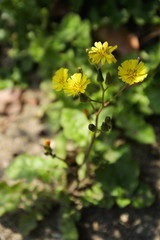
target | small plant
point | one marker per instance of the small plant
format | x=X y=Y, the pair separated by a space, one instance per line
x=131 y=72
x=91 y=172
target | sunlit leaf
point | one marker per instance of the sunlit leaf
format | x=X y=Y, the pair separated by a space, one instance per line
x=136 y=128
x=75 y=125
x=31 y=167
x=9 y=196
x=123 y=202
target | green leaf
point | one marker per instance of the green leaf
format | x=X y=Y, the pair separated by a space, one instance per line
x=6 y=83
x=153 y=95
x=60 y=145
x=75 y=126
x=136 y=128
x=143 y=197
x=106 y=146
x=152 y=92
x=27 y=222
x=36 y=49
x=68 y=223
x=93 y=195
x=82 y=172
x=119 y=179
x=9 y=196
x=107 y=202
x=31 y=167
x=123 y=202
x=53 y=115
x=72 y=29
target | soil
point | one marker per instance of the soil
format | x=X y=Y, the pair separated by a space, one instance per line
x=22 y=131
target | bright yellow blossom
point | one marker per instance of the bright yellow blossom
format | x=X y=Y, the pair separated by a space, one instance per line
x=76 y=84
x=132 y=71
x=102 y=53
x=60 y=78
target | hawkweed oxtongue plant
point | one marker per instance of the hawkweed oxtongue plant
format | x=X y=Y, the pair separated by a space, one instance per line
x=130 y=72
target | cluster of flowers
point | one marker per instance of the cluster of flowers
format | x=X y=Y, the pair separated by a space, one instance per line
x=131 y=71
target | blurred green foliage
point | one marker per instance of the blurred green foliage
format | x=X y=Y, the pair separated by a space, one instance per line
x=33 y=46
x=118 y=12
x=36 y=38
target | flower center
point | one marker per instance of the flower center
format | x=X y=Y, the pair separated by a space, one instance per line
x=77 y=86
x=103 y=52
x=132 y=73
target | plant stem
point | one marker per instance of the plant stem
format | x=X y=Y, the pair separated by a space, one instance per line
x=103 y=105
x=116 y=95
x=96 y=124
x=96 y=101
x=93 y=107
x=89 y=149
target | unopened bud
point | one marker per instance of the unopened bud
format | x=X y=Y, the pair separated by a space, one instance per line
x=47 y=143
x=100 y=76
x=80 y=70
x=107 y=120
x=92 y=127
x=47 y=147
x=108 y=79
x=83 y=98
x=104 y=127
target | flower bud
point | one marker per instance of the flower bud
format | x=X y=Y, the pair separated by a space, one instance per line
x=108 y=79
x=100 y=76
x=92 y=127
x=108 y=120
x=47 y=147
x=83 y=98
x=80 y=70
x=104 y=127
x=47 y=143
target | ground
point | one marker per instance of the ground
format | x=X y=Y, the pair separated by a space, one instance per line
x=22 y=130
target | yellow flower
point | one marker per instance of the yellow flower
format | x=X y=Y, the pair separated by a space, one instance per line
x=132 y=71
x=101 y=53
x=76 y=84
x=60 y=78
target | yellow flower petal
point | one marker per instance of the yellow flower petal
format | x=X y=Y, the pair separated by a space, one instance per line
x=76 y=84
x=60 y=78
x=132 y=71
x=102 y=53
